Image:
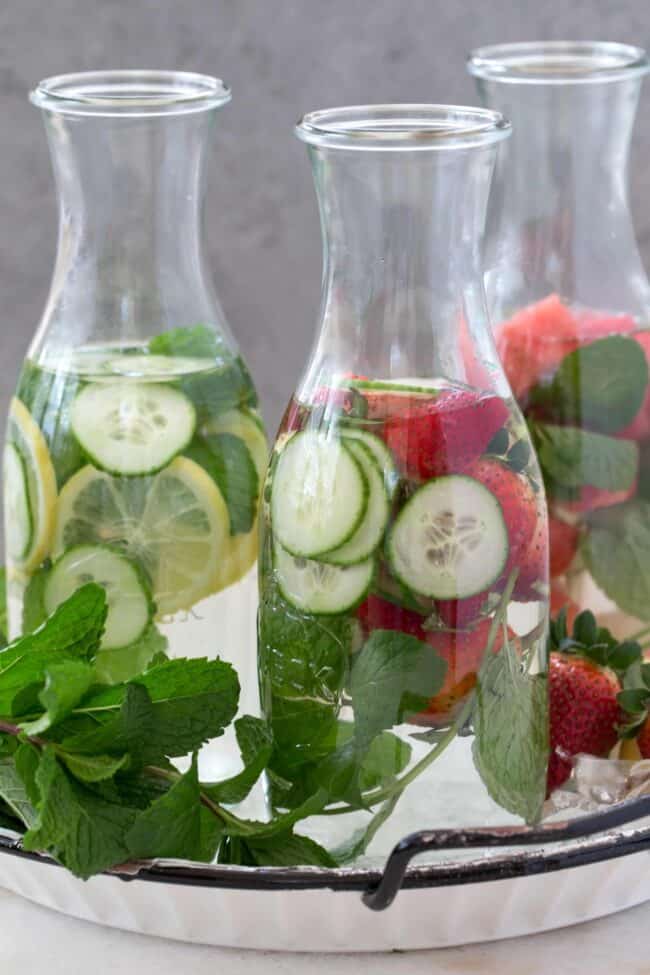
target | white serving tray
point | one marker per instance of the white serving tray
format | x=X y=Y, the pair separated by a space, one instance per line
x=490 y=896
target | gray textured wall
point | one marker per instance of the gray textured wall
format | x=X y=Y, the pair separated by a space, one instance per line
x=282 y=58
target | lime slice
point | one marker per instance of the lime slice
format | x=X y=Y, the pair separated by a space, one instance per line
x=174 y=524
x=248 y=425
x=29 y=468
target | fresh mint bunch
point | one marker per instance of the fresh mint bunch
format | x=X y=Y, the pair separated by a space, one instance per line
x=85 y=764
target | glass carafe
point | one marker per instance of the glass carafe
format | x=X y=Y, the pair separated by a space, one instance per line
x=135 y=451
x=570 y=303
x=403 y=548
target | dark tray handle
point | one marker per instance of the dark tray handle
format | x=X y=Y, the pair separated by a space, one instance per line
x=382 y=895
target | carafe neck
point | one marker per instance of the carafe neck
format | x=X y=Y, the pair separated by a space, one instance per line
x=130 y=260
x=402 y=235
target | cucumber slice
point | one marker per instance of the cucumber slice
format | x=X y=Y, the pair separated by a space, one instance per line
x=319 y=495
x=370 y=532
x=316 y=587
x=397 y=386
x=132 y=428
x=450 y=539
x=161 y=368
x=377 y=448
x=129 y=606
x=19 y=528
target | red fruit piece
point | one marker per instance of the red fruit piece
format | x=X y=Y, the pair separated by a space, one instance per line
x=592 y=498
x=458 y=614
x=563 y=545
x=533 y=568
x=584 y=713
x=534 y=341
x=463 y=652
x=442 y=435
x=518 y=505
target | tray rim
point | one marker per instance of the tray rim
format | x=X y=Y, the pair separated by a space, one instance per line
x=376 y=885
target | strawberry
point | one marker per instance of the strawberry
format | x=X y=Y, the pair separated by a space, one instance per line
x=518 y=506
x=586 y=671
x=561 y=543
x=563 y=540
x=584 y=713
x=534 y=341
x=458 y=614
x=462 y=650
x=442 y=435
x=591 y=498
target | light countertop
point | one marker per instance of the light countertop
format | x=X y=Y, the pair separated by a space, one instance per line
x=36 y=940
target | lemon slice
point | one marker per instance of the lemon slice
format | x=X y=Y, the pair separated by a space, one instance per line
x=28 y=472
x=239 y=555
x=248 y=425
x=174 y=524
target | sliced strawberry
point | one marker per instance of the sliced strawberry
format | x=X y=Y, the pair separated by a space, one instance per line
x=592 y=498
x=534 y=341
x=563 y=545
x=591 y=325
x=518 y=505
x=584 y=713
x=459 y=614
x=443 y=435
x=463 y=652
x=380 y=614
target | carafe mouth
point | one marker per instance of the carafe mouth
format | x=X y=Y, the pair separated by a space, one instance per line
x=558 y=62
x=130 y=93
x=402 y=127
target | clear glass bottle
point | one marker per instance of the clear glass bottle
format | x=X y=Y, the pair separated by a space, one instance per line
x=570 y=302
x=403 y=546
x=135 y=451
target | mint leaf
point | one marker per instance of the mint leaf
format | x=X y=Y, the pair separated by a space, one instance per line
x=93 y=768
x=574 y=458
x=171 y=826
x=393 y=674
x=256 y=745
x=66 y=683
x=601 y=385
x=510 y=747
x=312 y=806
x=123 y=663
x=212 y=391
x=289 y=850
x=33 y=607
x=227 y=459
x=73 y=630
x=14 y=792
x=84 y=832
x=616 y=551
x=195 y=342
x=359 y=842
x=305 y=662
x=190 y=702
